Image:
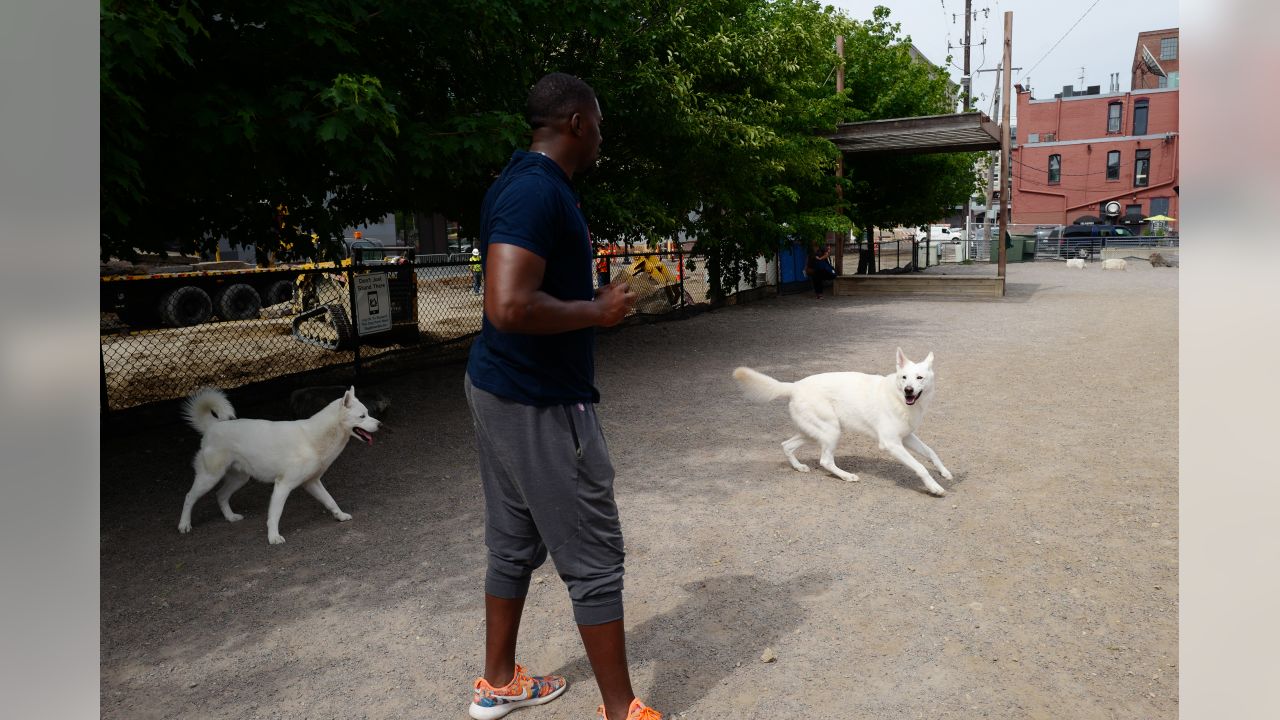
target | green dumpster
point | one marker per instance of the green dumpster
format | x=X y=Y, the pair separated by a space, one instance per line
x=1013 y=250
x=1029 y=248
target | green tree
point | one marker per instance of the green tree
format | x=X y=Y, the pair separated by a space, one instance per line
x=884 y=81
x=219 y=116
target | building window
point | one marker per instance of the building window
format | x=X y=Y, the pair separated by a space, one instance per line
x=1172 y=80
x=1130 y=210
x=1113 y=117
x=1113 y=165
x=1140 y=117
x=1055 y=169
x=1169 y=48
x=1163 y=82
x=1159 y=206
x=1142 y=168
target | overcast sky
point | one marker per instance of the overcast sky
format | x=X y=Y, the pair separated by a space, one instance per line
x=1103 y=42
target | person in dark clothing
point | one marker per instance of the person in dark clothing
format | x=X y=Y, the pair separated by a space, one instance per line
x=544 y=463
x=820 y=269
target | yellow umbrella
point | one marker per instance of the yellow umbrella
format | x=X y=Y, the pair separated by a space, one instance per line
x=1159 y=218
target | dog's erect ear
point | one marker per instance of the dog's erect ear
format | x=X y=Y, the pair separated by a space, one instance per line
x=349 y=396
x=902 y=359
x=929 y=360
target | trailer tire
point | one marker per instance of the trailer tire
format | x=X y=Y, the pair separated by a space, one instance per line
x=280 y=291
x=238 y=301
x=186 y=306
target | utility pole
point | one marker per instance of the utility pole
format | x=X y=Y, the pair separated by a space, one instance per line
x=992 y=156
x=991 y=167
x=1005 y=140
x=840 y=157
x=967 y=81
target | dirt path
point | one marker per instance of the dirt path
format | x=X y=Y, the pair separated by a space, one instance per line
x=1044 y=585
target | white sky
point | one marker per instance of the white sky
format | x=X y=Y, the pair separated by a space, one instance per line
x=1102 y=43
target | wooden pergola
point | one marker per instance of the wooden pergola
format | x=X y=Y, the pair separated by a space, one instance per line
x=961 y=132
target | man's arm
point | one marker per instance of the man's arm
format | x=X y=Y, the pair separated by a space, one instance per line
x=514 y=303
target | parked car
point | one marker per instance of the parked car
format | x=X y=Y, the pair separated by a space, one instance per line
x=1086 y=240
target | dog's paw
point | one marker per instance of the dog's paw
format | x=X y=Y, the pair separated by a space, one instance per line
x=235 y=517
x=850 y=477
x=946 y=474
x=275 y=539
x=341 y=516
x=184 y=528
x=802 y=467
x=937 y=491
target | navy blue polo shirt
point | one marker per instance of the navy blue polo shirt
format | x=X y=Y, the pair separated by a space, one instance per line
x=532 y=205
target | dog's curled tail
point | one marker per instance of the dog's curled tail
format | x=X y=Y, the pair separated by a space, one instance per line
x=760 y=387
x=206 y=407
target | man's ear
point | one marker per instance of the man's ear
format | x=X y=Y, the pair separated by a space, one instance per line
x=575 y=123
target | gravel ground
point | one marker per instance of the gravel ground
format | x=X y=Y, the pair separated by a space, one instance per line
x=1044 y=585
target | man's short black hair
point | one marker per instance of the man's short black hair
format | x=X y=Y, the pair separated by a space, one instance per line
x=555 y=97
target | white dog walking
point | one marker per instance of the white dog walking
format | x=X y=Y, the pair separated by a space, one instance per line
x=287 y=454
x=888 y=408
x=1077 y=263
x=1115 y=264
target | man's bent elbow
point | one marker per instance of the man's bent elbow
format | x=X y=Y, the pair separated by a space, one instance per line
x=508 y=316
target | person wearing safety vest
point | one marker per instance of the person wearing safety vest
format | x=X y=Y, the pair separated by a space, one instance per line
x=602 y=266
x=476 y=272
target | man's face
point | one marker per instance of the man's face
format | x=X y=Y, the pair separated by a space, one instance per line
x=591 y=137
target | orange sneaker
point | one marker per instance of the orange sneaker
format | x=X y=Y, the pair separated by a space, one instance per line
x=489 y=702
x=637 y=711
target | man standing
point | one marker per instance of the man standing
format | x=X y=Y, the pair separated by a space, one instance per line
x=544 y=465
x=476 y=271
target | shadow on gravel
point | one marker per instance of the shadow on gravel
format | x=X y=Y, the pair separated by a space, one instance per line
x=725 y=620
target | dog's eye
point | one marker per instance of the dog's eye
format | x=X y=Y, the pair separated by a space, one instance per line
x=904 y=377
x=919 y=377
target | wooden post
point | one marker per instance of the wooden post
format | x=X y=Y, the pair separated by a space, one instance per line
x=840 y=158
x=1005 y=140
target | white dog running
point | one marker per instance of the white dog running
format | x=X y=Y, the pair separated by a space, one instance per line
x=287 y=453
x=1115 y=264
x=888 y=408
x=1077 y=263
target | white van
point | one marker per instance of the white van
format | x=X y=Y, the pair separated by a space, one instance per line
x=938 y=233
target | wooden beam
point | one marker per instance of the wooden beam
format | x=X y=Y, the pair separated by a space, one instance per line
x=1005 y=183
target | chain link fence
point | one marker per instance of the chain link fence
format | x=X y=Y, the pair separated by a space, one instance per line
x=436 y=306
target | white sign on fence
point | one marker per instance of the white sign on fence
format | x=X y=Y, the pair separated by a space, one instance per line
x=373 y=304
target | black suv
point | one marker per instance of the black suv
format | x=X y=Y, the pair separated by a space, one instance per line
x=1085 y=240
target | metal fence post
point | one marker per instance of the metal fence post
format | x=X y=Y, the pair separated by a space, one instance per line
x=355 y=325
x=680 y=267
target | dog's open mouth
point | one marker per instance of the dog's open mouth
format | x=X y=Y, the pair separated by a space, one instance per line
x=911 y=398
x=364 y=435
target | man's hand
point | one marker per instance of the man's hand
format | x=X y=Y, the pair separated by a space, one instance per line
x=615 y=300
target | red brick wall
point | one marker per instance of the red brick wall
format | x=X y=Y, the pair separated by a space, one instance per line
x=1143 y=80
x=1083 y=184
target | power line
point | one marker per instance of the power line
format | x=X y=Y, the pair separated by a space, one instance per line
x=1064 y=37
x=1029 y=167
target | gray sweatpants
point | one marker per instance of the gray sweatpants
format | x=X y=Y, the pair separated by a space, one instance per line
x=548 y=487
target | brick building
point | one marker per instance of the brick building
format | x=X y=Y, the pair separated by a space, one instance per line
x=1076 y=152
x=1163 y=46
